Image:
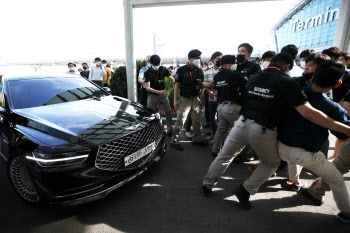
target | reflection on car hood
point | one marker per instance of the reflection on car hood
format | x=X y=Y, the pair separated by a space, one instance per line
x=90 y=122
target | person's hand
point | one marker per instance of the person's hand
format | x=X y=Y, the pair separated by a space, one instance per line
x=212 y=95
x=163 y=92
x=176 y=104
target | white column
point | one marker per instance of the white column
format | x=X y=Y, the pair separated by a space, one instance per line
x=129 y=50
x=342 y=33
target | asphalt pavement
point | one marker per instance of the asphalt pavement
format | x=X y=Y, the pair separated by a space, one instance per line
x=168 y=198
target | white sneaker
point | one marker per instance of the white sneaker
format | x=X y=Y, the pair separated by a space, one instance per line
x=189 y=134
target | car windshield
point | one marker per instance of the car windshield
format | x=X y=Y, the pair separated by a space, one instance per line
x=29 y=93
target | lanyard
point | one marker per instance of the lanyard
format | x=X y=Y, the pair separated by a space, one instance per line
x=155 y=76
x=195 y=72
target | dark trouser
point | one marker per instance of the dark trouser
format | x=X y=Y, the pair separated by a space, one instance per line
x=206 y=104
x=213 y=105
x=188 y=123
x=98 y=83
x=143 y=96
x=106 y=85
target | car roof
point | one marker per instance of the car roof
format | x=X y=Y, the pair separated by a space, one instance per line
x=38 y=76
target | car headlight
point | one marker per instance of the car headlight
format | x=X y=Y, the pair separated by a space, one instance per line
x=61 y=159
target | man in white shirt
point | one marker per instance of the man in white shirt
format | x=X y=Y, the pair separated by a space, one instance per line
x=293 y=50
x=97 y=72
x=72 y=67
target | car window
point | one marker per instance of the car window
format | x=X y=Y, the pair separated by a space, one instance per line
x=30 y=93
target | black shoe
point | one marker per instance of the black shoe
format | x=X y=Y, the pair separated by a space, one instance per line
x=214 y=154
x=177 y=146
x=206 y=125
x=243 y=196
x=200 y=143
x=343 y=217
x=238 y=159
x=206 y=191
x=169 y=134
x=250 y=156
x=314 y=200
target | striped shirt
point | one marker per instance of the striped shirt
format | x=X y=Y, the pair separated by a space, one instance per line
x=209 y=76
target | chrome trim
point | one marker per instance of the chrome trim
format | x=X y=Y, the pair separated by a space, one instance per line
x=55 y=160
x=3 y=156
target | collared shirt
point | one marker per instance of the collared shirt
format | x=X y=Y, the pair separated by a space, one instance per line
x=248 y=68
x=295 y=131
x=96 y=73
x=73 y=73
x=209 y=76
x=141 y=75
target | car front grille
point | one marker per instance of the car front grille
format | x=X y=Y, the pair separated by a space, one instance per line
x=111 y=156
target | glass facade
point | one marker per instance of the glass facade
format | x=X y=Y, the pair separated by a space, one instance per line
x=311 y=25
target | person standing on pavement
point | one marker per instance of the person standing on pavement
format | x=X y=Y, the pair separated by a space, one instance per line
x=141 y=79
x=230 y=86
x=96 y=73
x=86 y=71
x=268 y=95
x=212 y=103
x=300 y=141
x=154 y=81
x=107 y=76
x=189 y=79
x=72 y=67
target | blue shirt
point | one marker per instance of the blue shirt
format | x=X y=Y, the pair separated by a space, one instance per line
x=141 y=75
x=295 y=131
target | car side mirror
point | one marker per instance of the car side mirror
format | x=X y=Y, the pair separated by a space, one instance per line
x=107 y=89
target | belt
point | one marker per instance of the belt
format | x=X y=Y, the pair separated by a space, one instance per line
x=227 y=103
x=264 y=125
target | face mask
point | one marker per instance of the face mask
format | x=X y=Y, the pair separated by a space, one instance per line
x=234 y=67
x=302 y=64
x=149 y=65
x=85 y=68
x=155 y=67
x=240 y=58
x=98 y=63
x=308 y=76
x=71 y=68
x=104 y=65
x=265 y=64
x=218 y=63
x=195 y=62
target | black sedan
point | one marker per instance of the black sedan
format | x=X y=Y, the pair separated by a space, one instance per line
x=67 y=141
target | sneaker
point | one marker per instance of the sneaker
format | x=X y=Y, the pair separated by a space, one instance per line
x=238 y=159
x=287 y=184
x=314 y=200
x=214 y=154
x=189 y=134
x=343 y=217
x=200 y=143
x=206 y=191
x=298 y=187
x=250 y=156
x=177 y=146
x=243 y=197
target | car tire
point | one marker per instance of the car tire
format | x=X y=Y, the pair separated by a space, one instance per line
x=22 y=182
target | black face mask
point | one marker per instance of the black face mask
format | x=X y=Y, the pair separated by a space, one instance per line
x=240 y=58
x=85 y=68
x=308 y=76
x=218 y=63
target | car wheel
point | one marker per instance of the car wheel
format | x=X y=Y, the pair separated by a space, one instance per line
x=22 y=181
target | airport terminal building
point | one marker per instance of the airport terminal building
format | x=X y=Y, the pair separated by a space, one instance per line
x=316 y=24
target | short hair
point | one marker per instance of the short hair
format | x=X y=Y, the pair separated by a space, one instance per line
x=155 y=60
x=103 y=61
x=268 y=54
x=346 y=56
x=214 y=55
x=247 y=46
x=332 y=52
x=282 y=59
x=291 y=49
x=97 y=59
x=70 y=63
x=84 y=64
x=205 y=63
x=306 y=53
x=317 y=58
x=108 y=65
x=328 y=74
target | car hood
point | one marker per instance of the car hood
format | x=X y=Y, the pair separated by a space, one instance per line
x=90 y=122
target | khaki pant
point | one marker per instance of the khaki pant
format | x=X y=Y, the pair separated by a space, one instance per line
x=318 y=164
x=188 y=105
x=227 y=115
x=264 y=143
x=342 y=162
x=163 y=101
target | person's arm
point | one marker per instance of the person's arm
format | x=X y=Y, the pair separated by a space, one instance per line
x=103 y=71
x=141 y=75
x=149 y=89
x=318 y=117
x=176 y=91
x=171 y=78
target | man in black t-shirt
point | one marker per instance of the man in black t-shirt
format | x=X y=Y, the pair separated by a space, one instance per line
x=268 y=94
x=86 y=71
x=246 y=67
x=154 y=81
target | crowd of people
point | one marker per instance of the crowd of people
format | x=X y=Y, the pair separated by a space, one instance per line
x=271 y=107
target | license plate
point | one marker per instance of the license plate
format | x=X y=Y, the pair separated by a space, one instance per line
x=139 y=154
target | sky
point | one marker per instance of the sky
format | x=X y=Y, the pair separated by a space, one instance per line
x=75 y=29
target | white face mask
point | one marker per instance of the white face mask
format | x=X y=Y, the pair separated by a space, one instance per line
x=98 y=63
x=149 y=65
x=71 y=68
x=195 y=62
x=302 y=64
x=155 y=67
x=104 y=65
x=234 y=67
x=265 y=64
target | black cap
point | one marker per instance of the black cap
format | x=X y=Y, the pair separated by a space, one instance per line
x=155 y=60
x=228 y=59
x=195 y=53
